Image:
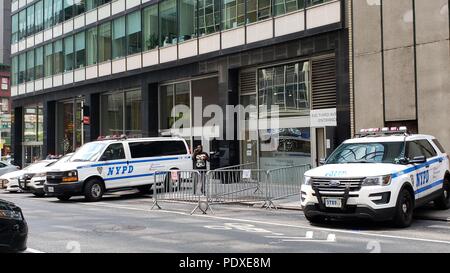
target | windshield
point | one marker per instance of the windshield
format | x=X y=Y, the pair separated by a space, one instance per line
x=88 y=152
x=61 y=160
x=385 y=152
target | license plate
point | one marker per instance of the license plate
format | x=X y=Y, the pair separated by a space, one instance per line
x=51 y=189
x=333 y=202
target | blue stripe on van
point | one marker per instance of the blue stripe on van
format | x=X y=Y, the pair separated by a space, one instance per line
x=131 y=162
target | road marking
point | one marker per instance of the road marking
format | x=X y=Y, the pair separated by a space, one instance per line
x=72 y=228
x=440 y=226
x=31 y=250
x=278 y=224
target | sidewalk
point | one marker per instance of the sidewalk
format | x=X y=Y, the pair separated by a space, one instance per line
x=425 y=213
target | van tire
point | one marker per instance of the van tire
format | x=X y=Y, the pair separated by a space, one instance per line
x=443 y=202
x=39 y=194
x=147 y=189
x=64 y=197
x=93 y=190
x=404 y=210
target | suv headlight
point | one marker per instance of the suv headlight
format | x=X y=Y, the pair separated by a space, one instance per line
x=307 y=181
x=377 y=181
x=40 y=175
x=70 y=176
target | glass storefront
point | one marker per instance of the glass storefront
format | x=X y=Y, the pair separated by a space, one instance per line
x=121 y=113
x=283 y=92
x=33 y=133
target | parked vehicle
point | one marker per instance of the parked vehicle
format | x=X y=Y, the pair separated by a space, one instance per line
x=11 y=180
x=116 y=164
x=36 y=183
x=31 y=171
x=383 y=174
x=14 y=228
x=6 y=167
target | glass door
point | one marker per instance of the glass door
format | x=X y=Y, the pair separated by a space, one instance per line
x=69 y=127
x=31 y=154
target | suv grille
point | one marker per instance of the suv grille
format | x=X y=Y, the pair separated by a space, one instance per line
x=54 y=178
x=337 y=185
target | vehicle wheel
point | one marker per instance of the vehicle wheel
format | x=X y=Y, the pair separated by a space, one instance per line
x=147 y=189
x=315 y=219
x=404 y=209
x=93 y=190
x=64 y=197
x=443 y=202
x=39 y=194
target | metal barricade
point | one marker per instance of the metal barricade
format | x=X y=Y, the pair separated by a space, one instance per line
x=236 y=185
x=180 y=186
x=284 y=182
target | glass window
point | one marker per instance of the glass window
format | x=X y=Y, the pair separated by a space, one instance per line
x=439 y=145
x=68 y=9
x=133 y=103
x=33 y=119
x=113 y=152
x=167 y=104
x=134 y=32
x=187 y=19
x=48 y=13
x=15 y=70
x=30 y=20
x=208 y=16
x=48 y=60
x=78 y=7
x=233 y=13
x=39 y=62
x=112 y=114
x=39 y=16
x=15 y=28
x=151 y=27
x=22 y=67
x=427 y=148
x=168 y=22
x=22 y=24
x=285 y=86
x=118 y=39
x=68 y=54
x=104 y=42
x=58 y=57
x=286 y=6
x=413 y=150
x=91 y=4
x=30 y=65
x=88 y=152
x=157 y=148
x=58 y=11
x=80 y=50
x=91 y=49
x=258 y=10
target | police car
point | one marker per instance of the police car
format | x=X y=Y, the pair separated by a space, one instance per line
x=383 y=175
x=116 y=163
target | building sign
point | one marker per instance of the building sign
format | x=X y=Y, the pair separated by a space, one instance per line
x=324 y=118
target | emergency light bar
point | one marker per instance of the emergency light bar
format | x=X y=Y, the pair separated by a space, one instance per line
x=113 y=137
x=383 y=131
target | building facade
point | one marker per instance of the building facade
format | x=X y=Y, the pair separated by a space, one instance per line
x=5 y=32
x=5 y=111
x=84 y=69
x=401 y=67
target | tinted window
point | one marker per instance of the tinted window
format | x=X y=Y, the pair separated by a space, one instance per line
x=386 y=152
x=439 y=145
x=420 y=148
x=2 y=165
x=157 y=148
x=113 y=152
x=427 y=148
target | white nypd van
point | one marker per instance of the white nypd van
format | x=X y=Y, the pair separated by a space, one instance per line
x=114 y=164
x=383 y=175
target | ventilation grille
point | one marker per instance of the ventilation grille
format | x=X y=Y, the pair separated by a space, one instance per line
x=323 y=83
x=247 y=82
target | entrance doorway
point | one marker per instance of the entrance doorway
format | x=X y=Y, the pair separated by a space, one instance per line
x=31 y=153
x=70 y=133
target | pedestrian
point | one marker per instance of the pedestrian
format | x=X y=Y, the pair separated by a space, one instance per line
x=199 y=159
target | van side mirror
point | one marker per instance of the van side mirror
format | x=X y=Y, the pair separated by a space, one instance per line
x=322 y=161
x=418 y=160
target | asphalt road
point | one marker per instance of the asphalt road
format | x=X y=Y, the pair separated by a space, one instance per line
x=126 y=223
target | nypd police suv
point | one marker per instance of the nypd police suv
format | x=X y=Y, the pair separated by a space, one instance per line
x=114 y=164
x=383 y=174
